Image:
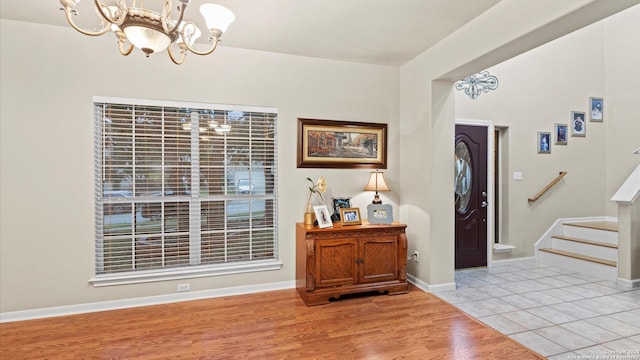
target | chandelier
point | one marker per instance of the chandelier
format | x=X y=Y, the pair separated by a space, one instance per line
x=154 y=32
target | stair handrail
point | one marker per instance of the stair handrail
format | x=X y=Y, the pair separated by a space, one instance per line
x=546 y=188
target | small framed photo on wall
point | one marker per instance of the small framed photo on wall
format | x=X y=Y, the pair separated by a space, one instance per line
x=544 y=142
x=561 y=133
x=597 y=109
x=578 y=125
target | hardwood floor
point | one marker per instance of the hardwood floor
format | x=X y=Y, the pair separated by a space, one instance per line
x=271 y=325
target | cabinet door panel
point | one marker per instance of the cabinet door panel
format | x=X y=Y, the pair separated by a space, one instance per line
x=336 y=262
x=380 y=257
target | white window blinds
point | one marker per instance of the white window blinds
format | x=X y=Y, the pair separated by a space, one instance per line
x=183 y=186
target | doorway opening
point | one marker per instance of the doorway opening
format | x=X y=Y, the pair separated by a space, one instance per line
x=500 y=159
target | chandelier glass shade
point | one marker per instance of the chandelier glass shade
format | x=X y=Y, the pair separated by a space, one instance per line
x=152 y=31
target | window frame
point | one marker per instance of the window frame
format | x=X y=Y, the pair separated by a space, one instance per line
x=182 y=271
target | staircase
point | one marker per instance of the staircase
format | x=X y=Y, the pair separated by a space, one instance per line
x=585 y=246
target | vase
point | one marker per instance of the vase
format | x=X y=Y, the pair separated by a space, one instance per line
x=309 y=214
x=309 y=218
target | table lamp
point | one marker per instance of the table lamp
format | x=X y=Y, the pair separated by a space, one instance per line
x=376 y=183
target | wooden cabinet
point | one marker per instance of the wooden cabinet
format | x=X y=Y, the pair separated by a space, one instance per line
x=342 y=260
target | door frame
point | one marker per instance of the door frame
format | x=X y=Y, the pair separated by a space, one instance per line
x=490 y=180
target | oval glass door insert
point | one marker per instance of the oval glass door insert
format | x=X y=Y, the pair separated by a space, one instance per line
x=463 y=179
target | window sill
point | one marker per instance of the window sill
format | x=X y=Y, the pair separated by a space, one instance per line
x=177 y=274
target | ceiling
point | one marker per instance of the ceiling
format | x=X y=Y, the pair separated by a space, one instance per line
x=385 y=32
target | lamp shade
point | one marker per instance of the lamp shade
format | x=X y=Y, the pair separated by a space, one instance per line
x=217 y=16
x=376 y=182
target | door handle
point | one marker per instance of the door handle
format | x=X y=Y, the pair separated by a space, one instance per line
x=484 y=204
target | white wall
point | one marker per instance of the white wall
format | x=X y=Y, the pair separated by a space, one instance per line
x=539 y=89
x=622 y=89
x=48 y=78
x=427 y=111
x=49 y=75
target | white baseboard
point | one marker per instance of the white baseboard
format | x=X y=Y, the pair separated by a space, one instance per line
x=514 y=260
x=145 y=301
x=631 y=284
x=430 y=288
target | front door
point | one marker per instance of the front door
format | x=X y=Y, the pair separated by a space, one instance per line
x=471 y=196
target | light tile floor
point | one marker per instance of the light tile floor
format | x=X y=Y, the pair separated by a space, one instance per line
x=556 y=312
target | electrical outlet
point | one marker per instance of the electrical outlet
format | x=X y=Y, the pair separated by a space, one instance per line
x=183 y=287
x=416 y=255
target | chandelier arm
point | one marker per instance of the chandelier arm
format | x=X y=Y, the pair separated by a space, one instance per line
x=124 y=52
x=110 y=18
x=214 y=38
x=166 y=13
x=174 y=59
x=68 y=13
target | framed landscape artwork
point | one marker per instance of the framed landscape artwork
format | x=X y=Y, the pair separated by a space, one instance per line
x=341 y=144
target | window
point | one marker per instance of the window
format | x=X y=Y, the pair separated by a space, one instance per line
x=185 y=190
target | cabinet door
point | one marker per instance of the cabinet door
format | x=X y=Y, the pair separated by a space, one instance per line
x=380 y=259
x=336 y=262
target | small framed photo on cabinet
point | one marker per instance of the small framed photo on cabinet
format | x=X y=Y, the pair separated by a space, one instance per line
x=379 y=213
x=350 y=216
x=322 y=216
x=340 y=203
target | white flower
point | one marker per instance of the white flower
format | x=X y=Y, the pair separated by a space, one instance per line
x=319 y=187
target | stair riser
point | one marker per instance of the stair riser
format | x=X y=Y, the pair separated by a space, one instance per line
x=609 y=237
x=585 y=249
x=581 y=266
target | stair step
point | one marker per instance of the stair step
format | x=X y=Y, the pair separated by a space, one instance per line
x=600 y=225
x=578 y=256
x=583 y=241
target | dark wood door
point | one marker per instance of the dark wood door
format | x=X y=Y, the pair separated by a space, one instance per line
x=471 y=196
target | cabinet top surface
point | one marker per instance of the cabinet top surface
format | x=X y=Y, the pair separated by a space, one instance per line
x=364 y=226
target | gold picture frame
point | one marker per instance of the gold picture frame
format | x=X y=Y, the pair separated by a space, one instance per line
x=350 y=216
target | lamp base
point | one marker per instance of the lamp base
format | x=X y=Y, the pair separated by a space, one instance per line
x=376 y=199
